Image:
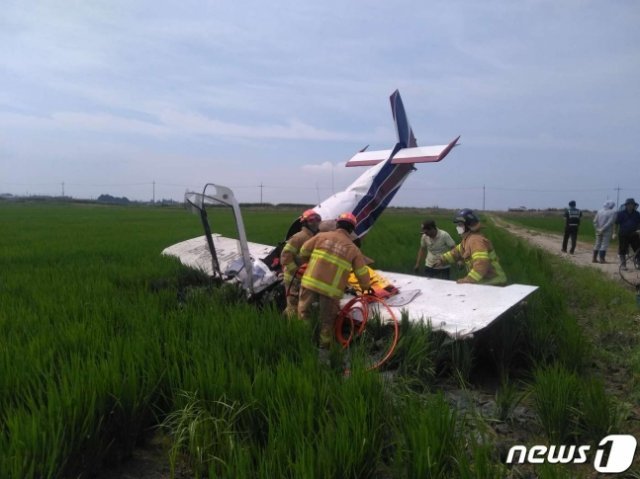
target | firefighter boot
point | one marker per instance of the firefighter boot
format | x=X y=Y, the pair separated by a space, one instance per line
x=595 y=256
x=602 y=255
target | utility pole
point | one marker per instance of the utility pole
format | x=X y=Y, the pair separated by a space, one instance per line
x=154 y=192
x=483 y=197
x=333 y=189
x=618 y=195
x=63 y=189
x=261 y=186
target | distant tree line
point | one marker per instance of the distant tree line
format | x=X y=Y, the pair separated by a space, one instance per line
x=114 y=200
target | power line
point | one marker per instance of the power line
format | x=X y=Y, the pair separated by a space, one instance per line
x=263 y=186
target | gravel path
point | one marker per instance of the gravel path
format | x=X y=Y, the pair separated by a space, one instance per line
x=553 y=243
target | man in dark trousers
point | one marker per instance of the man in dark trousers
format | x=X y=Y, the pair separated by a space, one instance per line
x=627 y=225
x=572 y=217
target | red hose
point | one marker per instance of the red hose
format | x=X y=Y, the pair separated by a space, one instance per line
x=299 y=271
x=361 y=303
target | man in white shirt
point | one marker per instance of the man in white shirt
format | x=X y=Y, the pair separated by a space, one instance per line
x=433 y=243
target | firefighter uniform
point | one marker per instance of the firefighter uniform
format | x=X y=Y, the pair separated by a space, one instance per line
x=480 y=259
x=290 y=267
x=331 y=257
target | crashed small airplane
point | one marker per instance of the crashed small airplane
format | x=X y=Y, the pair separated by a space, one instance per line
x=459 y=310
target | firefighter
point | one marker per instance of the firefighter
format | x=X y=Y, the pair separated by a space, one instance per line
x=310 y=222
x=331 y=256
x=476 y=251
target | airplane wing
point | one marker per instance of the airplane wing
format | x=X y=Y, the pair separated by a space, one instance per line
x=195 y=254
x=418 y=154
x=459 y=310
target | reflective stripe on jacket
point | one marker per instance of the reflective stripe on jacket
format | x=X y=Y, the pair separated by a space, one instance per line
x=572 y=216
x=479 y=257
x=331 y=257
x=290 y=252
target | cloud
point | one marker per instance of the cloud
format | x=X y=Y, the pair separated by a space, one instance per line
x=171 y=123
x=194 y=123
x=325 y=167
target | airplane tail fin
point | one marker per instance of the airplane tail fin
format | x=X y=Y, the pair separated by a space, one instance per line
x=403 y=129
x=371 y=193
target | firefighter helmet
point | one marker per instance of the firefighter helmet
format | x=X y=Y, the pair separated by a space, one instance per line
x=466 y=216
x=310 y=216
x=348 y=218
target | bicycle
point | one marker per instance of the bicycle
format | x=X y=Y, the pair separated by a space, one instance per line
x=630 y=273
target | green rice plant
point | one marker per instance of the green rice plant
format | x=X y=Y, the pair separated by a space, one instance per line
x=551 y=332
x=454 y=357
x=559 y=471
x=462 y=359
x=25 y=452
x=555 y=394
x=635 y=375
x=558 y=339
x=479 y=462
x=205 y=430
x=633 y=473
x=598 y=414
x=356 y=439
x=414 y=357
x=508 y=396
x=99 y=335
x=320 y=424
x=430 y=438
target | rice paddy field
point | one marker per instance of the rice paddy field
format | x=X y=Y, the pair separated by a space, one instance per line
x=105 y=344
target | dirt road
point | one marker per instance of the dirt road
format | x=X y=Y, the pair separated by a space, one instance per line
x=553 y=242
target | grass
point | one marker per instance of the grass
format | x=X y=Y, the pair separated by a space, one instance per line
x=102 y=339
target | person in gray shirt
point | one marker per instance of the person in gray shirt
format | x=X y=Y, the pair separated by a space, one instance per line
x=433 y=243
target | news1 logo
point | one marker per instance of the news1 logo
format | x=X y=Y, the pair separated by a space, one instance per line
x=614 y=454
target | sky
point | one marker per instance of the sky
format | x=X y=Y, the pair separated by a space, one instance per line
x=149 y=99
